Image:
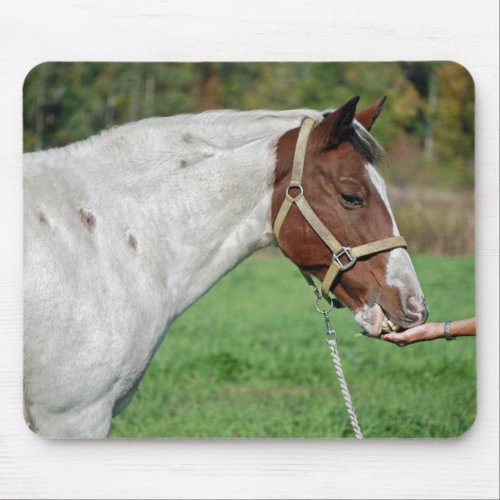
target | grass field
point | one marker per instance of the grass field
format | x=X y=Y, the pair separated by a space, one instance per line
x=249 y=360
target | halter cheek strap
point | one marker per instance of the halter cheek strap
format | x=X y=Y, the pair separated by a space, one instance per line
x=343 y=258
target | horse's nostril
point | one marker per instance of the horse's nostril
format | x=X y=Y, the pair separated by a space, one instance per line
x=416 y=308
x=412 y=318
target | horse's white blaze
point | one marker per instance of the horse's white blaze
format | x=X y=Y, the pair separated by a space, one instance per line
x=400 y=271
x=379 y=183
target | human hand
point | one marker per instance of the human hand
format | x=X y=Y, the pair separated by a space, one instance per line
x=421 y=333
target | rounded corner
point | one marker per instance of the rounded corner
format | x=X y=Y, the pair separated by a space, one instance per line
x=30 y=427
x=466 y=71
x=466 y=432
x=29 y=424
x=33 y=69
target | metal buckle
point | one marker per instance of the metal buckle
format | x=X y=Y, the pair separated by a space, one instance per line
x=294 y=186
x=347 y=252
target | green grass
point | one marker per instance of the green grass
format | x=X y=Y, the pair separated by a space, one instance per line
x=249 y=360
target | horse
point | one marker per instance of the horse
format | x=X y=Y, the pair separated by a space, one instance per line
x=125 y=230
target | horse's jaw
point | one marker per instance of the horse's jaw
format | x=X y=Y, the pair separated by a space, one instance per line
x=373 y=320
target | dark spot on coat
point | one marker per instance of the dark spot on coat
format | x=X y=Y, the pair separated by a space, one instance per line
x=187 y=138
x=132 y=241
x=87 y=218
x=184 y=163
x=41 y=218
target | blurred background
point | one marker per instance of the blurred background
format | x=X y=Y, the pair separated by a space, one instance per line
x=249 y=358
x=427 y=125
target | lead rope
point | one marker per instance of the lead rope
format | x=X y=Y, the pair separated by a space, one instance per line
x=332 y=344
x=331 y=340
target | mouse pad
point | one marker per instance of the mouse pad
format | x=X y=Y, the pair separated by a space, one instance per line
x=172 y=212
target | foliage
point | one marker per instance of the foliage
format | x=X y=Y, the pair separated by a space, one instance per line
x=249 y=360
x=428 y=120
x=435 y=221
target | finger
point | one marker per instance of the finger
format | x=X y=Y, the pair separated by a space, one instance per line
x=390 y=337
x=395 y=338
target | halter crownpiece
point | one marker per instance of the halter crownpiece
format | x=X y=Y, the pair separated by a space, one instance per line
x=338 y=251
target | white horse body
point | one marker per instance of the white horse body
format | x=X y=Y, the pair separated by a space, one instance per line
x=123 y=232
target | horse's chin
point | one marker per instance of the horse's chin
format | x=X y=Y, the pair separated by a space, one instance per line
x=374 y=322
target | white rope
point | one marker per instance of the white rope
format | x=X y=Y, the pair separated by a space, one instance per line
x=332 y=344
x=331 y=340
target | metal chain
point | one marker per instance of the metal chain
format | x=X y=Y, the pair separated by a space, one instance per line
x=331 y=340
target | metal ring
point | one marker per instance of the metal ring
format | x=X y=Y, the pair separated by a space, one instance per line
x=297 y=186
x=324 y=311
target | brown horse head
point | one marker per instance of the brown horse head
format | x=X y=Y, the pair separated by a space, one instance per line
x=343 y=187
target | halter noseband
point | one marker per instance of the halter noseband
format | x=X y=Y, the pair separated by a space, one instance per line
x=338 y=251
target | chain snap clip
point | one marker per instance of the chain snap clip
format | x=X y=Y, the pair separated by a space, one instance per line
x=330 y=331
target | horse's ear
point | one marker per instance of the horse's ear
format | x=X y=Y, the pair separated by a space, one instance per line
x=332 y=130
x=368 y=116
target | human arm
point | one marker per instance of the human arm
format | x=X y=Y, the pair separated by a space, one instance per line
x=432 y=331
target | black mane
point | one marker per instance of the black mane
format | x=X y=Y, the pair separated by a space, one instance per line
x=364 y=143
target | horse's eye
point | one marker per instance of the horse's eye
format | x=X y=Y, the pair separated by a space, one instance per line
x=351 y=199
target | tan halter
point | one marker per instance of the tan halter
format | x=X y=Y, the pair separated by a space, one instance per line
x=338 y=251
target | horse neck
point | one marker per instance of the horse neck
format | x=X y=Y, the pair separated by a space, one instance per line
x=191 y=195
x=196 y=204
x=214 y=214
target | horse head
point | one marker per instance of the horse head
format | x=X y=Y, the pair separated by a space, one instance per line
x=347 y=198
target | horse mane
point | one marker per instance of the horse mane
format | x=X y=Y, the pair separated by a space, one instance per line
x=217 y=130
x=366 y=145
x=363 y=142
x=205 y=134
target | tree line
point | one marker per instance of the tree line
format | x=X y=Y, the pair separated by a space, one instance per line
x=427 y=124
